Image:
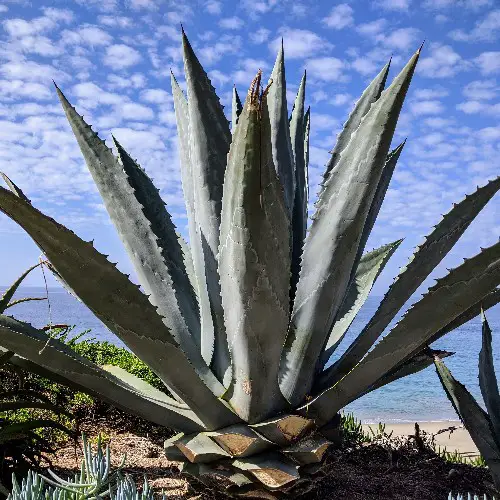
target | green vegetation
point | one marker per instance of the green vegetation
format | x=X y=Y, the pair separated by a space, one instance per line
x=96 y=480
x=240 y=324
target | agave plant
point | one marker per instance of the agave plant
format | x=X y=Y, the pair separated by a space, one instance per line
x=483 y=427
x=240 y=324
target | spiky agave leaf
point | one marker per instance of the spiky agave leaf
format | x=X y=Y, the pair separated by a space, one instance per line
x=383 y=184
x=369 y=268
x=206 y=320
x=254 y=263
x=450 y=296
x=236 y=109
x=369 y=96
x=489 y=300
x=121 y=306
x=300 y=200
x=415 y=364
x=423 y=261
x=209 y=140
x=55 y=357
x=330 y=250
x=474 y=418
x=280 y=130
x=488 y=380
x=5 y=300
x=145 y=228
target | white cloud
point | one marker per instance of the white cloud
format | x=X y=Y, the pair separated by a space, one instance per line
x=372 y=28
x=3 y=8
x=340 y=17
x=441 y=19
x=488 y=62
x=227 y=44
x=260 y=36
x=247 y=71
x=474 y=107
x=255 y=8
x=328 y=69
x=486 y=30
x=86 y=35
x=231 y=23
x=91 y=95
x=156 y=96
x=443 y=62
x=427 y=94
x=134 y=111
x=101 y=5
x=135 y=81
x=121 y=56
x=116 y=21
x=323 y=122
x=340 y=99
x=19 y=89
x=401 y=39
x=393 y=4
x=364 y=65
x=299 y=43
x=213 y=7
x=481 y=90
x=457 y=4
x=143 y=4
x=32 y=71
x=438 y=122
x=426 y=108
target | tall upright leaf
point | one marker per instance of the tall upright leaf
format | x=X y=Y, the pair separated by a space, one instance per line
x=206 y=320
x=331 y=247
x=236 y=109
x=209 y=140
x=369 y=96
x=423 y=261
x=475 y=419
x=451 y=296
x=280 y=130
x=369 y=268
x=488 y=380
x=307 y=135
x=383 y=184
x=123 y=308
x=299 y=213
x=254 y=264
x=146 y=230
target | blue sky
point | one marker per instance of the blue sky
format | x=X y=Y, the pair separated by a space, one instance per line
x=112 y=59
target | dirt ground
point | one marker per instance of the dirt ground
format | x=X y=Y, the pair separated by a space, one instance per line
x=387 y=469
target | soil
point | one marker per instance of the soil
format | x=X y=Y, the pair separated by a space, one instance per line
x=388 y=468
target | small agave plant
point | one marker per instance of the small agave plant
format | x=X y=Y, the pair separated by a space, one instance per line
x=483 y=427
x=240 y=324
x=95 y=481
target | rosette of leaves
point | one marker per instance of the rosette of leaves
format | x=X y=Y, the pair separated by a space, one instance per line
x=240 y=324
x=483 y=426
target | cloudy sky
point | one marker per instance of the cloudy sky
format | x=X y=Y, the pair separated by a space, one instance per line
x=112 y=59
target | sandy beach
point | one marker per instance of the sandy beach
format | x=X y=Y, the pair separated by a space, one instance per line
x=459 y=439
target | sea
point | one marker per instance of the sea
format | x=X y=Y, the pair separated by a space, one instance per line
x=418 y=397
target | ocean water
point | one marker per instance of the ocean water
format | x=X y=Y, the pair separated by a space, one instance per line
x=417 y=397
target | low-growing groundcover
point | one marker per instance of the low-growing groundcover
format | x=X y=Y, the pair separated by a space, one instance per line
x=239 y=324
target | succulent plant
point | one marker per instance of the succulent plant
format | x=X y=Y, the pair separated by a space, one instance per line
x=96 y=480
x=240 y=323
x=483 y=427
